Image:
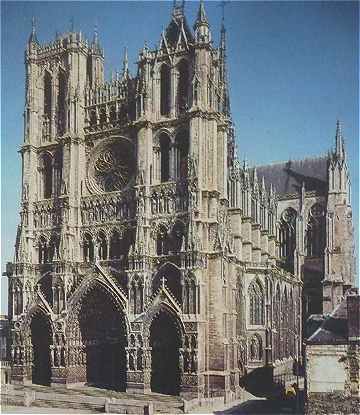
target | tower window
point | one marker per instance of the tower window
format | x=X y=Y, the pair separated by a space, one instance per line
x=47 y=176
x=315 y=231
x=288 y=237
x=61 y=103
x=165 y=90
x=181 y=155
x=256 y=296
x=88 y=248
x=47 y=95
x=165 y=157
x=183 y=86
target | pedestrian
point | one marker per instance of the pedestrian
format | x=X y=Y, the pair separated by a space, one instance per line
x=290 y=395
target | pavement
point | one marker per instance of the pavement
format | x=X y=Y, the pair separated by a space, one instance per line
x=37 y=410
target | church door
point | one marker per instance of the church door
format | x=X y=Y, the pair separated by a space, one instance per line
x=40 y=338
x=103 y=335
x=165 y=343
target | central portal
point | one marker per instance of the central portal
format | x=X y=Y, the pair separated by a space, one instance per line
x=103 y=334
x=40 y=338
x=165 y=343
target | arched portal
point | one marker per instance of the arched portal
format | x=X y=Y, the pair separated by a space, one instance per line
x=103 y=335
x=165 y=343
x=41 y=340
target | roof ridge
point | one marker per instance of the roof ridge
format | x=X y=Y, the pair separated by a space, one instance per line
x=275 y=163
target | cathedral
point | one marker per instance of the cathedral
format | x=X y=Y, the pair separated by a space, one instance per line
x=148 y=258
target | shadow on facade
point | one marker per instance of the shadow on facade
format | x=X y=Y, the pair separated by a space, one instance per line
x=40 y=335
x=104 y=337
x=259 y=382
x=165 y=343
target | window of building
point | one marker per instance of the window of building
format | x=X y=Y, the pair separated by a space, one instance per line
x=181 y=155
x=183 y=86
x=287 y=237
x=165 y=157
x=47 y=95
x=102 y=246
x=88 y=248
x=61 y=102
x=43 y=251
x=46 y=176
x=256 y=298
x=165 y=90
x=315 y=231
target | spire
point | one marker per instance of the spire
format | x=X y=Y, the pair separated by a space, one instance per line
x=96 y=43
x=125 y=71
x=32 y=37
x=201 y=16
x=339 y=141
x=223 y=68
x=201 y=25
x=255 y=178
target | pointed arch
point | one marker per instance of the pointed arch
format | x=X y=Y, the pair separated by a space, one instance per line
x=287 y=237
x=39 y=327
x=102 y=245
x=170 y=275
x=181 y=154
x=164 y=141
x=46 y=175
x=315 y=233
x=88 y=248
x=256 y=303
x=183 y=86
x=165 y=88
x=61 y=102
x=47 y=94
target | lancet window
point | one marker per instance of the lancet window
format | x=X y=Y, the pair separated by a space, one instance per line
x=256 y=298
x=164 y=158
x=183 y=86
x=165 y=89
x=61 y=102
x=88 y=248
x=47 y=95
x=315 y=231
x=190 y=295
x=181 y=155
x=162 y=246
x=287 y=236
x=102 y=246
x=136 y=296
x=43 y=251
x=46 y=176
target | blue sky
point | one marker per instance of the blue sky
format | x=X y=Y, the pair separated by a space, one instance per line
x=293 y=69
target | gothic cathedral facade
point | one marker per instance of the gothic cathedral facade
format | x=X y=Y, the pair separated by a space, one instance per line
x=147 y=257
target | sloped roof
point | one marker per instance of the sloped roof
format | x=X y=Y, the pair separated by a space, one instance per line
x=334 y=329
x=287 y=177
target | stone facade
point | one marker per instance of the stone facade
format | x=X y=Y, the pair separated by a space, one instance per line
x=147 y=257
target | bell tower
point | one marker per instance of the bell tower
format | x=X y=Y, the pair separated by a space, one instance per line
x=339 y=252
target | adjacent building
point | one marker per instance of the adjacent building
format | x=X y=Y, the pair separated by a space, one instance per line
x=333 y=360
